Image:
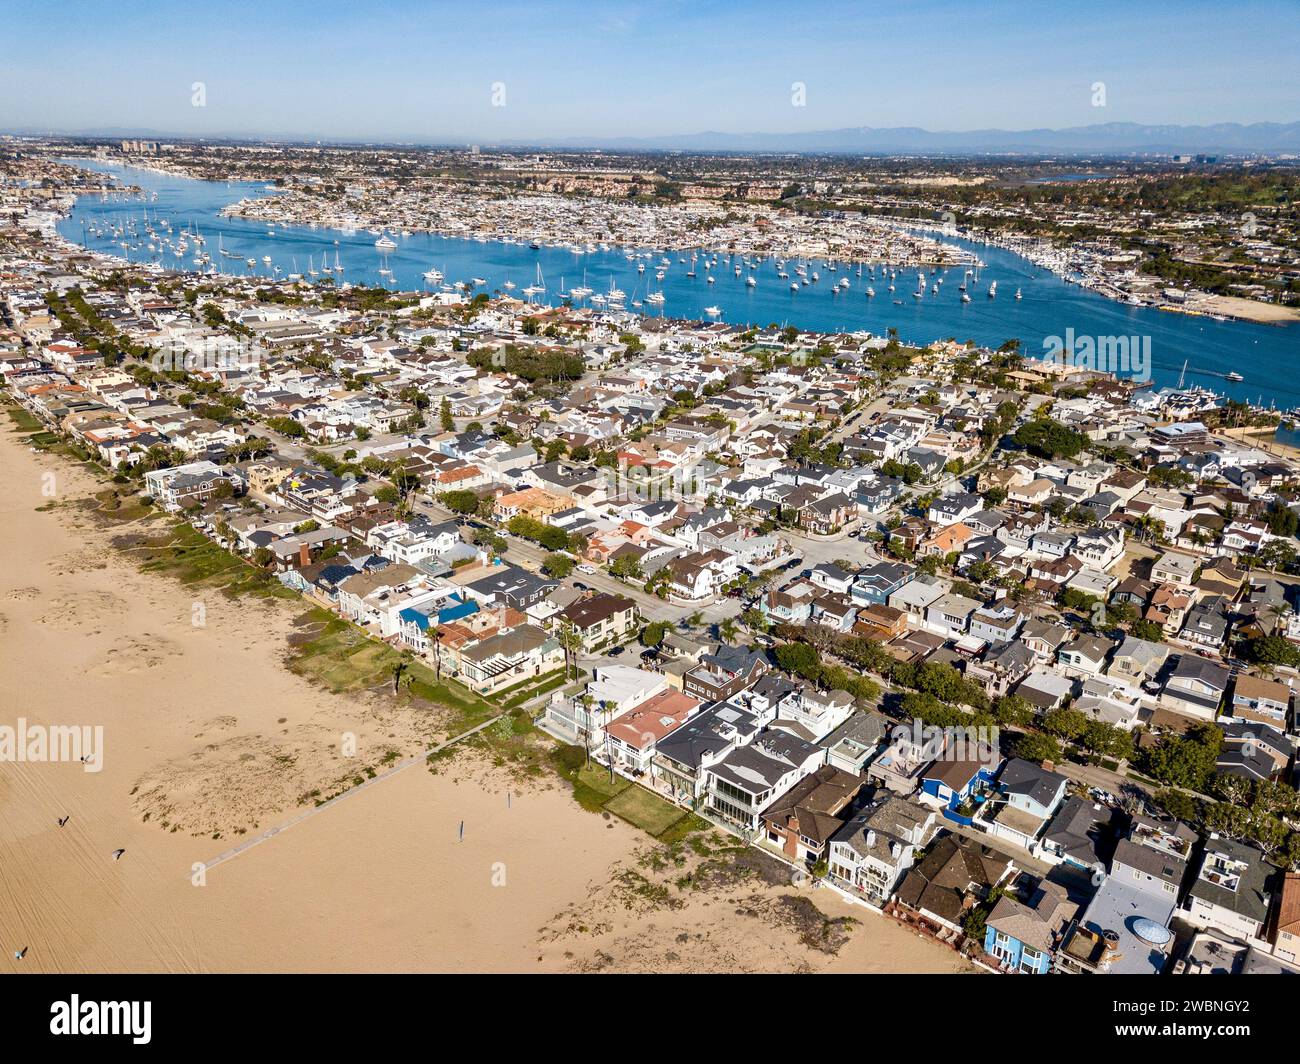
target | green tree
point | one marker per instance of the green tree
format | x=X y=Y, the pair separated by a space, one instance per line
x=558 y=565
x=653 y=633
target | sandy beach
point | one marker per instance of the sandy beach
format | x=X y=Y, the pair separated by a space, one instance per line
x=209 y=740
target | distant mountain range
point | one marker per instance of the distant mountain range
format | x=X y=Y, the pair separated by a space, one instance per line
x=1109 y=138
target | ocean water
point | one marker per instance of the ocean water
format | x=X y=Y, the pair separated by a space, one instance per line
x=1268 y=357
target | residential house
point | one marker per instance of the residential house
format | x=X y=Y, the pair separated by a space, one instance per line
x=955 y=876
x=631 y=739
x=802 y=821
x=1023 y=935
x=1028 y=797
x=722 y=673
x=1196 y=687
x=1260 y=700
x=600 y=620
x=1231 y=892
x=748 y=778
x=870 y=854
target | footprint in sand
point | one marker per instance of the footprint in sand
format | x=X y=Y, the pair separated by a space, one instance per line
x=74 y=612
x=132 y=656
x=224 y=723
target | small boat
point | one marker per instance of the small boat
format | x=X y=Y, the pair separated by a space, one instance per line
x=1234 y=376
x=713 y=312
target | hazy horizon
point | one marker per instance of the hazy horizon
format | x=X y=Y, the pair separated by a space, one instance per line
x=446 y=73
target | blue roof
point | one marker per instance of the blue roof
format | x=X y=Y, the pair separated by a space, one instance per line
x=412 y=615
x=455 y=613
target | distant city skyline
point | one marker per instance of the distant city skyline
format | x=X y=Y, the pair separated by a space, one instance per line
x=447 y=73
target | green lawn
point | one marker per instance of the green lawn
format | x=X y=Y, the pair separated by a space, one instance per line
x=644 y=810
x=596 y=792
x=25 y=420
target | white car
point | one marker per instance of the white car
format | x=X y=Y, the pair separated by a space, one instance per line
x=588 y=569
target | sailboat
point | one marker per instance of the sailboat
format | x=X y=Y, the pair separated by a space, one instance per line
x=538 y=286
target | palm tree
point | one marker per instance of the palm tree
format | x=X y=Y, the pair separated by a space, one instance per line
x=570 y=643
x=400 y=666
x=586 y=730
x=434 y=633
x=727 y=630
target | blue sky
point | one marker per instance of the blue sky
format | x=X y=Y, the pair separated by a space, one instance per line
x=425 y=71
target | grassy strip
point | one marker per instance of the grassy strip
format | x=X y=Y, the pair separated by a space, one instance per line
x=24 y=420
x=193 y=559
x=597 y=792
x=556 y=680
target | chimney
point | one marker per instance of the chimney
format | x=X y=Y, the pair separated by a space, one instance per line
x=304 y=554
x=1049 y=766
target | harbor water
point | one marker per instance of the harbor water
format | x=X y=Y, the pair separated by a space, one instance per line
x=1267 y=357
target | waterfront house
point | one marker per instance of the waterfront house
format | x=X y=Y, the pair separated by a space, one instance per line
x=681 y=757
x=955 y=876
x=741 y=784
x=1124 y=928
x=872 y=851
x=1022 y=935
x=801 y=822
x=632 y=738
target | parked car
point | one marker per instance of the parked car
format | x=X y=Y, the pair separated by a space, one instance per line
x=615 y=651
x=590 y=570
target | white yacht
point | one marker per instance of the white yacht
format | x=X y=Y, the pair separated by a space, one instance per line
x=386 y=243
